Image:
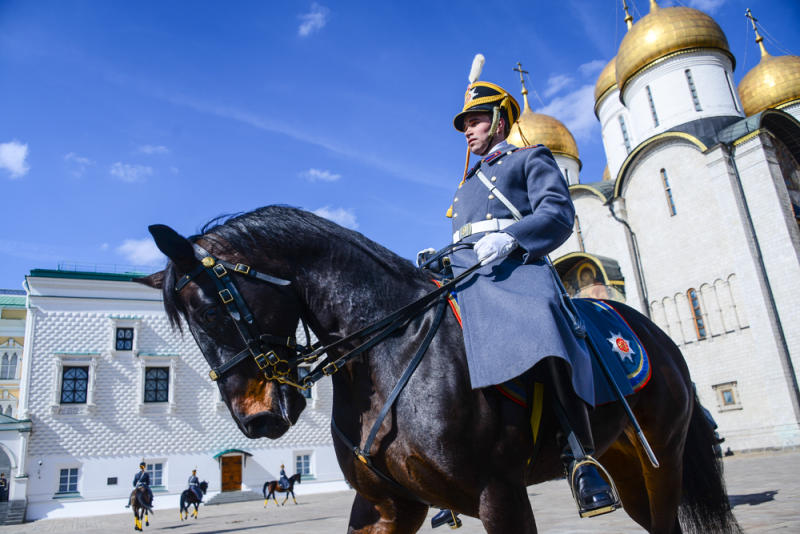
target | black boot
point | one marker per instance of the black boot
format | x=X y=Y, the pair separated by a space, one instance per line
x=445 y=517
x=592 y=493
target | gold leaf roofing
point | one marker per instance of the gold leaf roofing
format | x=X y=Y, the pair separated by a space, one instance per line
x=537 y=128
x=771 y=83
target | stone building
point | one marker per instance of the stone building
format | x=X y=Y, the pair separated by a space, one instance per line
x=108 y=383
x=695 y=222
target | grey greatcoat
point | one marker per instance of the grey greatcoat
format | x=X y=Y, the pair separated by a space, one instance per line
x=512 y=309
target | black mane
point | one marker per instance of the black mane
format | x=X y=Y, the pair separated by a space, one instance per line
x=285 y=230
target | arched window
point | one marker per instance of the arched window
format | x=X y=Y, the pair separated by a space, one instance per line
x=625 y=137
x=697 y=314
x=652 y=105
x=4 y=367
x=668 y=193
x=8 y=410
x=693 y=90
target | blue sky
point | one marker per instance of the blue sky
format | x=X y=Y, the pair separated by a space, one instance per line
x=116 y=115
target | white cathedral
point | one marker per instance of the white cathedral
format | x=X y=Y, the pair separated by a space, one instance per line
x=695 y=222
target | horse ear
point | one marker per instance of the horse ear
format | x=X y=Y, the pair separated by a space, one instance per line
x=174 y=246
x=155 y=280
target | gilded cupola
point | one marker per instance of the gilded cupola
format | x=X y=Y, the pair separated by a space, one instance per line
x=606 y=82
x=770 y=84
x=665 y=32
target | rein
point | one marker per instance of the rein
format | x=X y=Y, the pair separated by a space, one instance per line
x=259 y=346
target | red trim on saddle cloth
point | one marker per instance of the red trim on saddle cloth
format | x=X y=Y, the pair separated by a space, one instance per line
x=514 y=389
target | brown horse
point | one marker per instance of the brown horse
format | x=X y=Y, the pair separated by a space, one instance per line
x=141 y=504
x=271 y=486
x=442 y=443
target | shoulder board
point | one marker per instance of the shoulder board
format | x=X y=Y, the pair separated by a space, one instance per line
x=530 y=147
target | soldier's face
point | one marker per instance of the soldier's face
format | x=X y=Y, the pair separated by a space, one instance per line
x=476 y=130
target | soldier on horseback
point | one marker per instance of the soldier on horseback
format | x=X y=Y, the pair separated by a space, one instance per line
x=515 y=208
x=283 y=483
x=142 y=478
x=194 y=486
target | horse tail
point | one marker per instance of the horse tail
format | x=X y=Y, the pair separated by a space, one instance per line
x=183 y=500
x=264 y=489
x=140 y=499
x=705 y=506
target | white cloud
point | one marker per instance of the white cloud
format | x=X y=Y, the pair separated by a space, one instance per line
x=314 y=175
x=575 y=110
x=141 y=252
x=12 y=158
x=556 y=83
x=77 y=163
x=153 y=149
x=314 y=20
x=339 y=215
x=592 y=67
x=131 y=173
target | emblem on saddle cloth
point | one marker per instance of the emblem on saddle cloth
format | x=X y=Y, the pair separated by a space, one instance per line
x=619 y=347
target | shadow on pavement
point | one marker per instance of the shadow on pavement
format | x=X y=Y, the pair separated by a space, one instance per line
x=753 y=499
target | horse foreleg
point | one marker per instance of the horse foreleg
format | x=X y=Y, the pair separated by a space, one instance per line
x=390 y=516
x=146 y=520
x=196 y=509
x=285 y=499
x=295 y=500
x=505 y=508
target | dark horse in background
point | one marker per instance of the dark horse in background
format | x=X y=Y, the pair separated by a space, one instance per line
x=188 y=498
x=446 y=444
x=141 y=505
x=271 y=486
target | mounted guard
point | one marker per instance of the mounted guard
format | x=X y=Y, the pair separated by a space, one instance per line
x=515 y=208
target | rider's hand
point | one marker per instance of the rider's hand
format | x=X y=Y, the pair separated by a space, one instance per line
x=423 y=255
x=494 y=246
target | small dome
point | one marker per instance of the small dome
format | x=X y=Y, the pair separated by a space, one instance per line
x=606 y=81
x=774 y=81
x=664 y=32
x=537 y=128
x=606 y=174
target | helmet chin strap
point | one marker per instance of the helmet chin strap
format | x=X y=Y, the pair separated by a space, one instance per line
x=495 y=121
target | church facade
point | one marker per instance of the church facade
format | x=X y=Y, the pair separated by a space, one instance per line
x=696 y=222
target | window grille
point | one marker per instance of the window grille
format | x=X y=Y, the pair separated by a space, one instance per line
x=652 y=105
x=302 y=464
x=156 y=473
x=693 y=90
x=124 y=339
x=156 y=384
x=8 y=366
x=74 y=385
x=668 y=193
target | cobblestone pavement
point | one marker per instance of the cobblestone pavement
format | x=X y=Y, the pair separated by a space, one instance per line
x=764 y=490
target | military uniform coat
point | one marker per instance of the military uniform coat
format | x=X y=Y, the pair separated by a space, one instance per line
x=512 y=309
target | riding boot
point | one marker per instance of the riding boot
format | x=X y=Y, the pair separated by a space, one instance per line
x=594 y=496
x=445 y=517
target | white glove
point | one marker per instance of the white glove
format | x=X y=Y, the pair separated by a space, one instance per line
x=423 y=255
x=494 y=246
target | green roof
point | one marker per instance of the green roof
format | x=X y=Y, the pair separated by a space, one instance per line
x=83 y=275
x=12 y=300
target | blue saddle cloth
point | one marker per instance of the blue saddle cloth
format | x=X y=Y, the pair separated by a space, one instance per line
x=619 y=347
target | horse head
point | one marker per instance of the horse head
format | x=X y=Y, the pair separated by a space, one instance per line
x=204 y=486
x=225 y=321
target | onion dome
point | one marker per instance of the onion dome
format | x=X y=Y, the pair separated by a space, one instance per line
x=665 y=32
x=771 y=83
x=540 y=129
x=606 y=174
x=606 y=81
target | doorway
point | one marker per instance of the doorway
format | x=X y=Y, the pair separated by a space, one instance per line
x=231 y=473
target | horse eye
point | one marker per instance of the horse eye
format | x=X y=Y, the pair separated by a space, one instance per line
x=210 y=315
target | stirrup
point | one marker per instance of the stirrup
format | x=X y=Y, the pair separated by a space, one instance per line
x=446 y=517
x=591 y=512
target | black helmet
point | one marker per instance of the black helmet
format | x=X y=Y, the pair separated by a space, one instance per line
x=490 y=98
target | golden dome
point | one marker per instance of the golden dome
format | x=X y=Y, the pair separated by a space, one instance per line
x=537 y=128
x=774 y=81
x=606 y=81
x=664 y=32
x=606 y=174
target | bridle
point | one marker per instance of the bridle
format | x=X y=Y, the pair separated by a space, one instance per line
x=261 y=346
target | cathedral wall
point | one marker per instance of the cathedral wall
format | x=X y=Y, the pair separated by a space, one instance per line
x=608 y=113
x=108 y=436
x=672 y=96
x=734 y=359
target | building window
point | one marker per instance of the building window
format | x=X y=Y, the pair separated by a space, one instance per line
x=124 y=339
x=68 y=480
x=74 y=385
x=652 y=105
x=668 y=192
x=693 y=90
x=302 y=464
x=625 y=137
x=8 y=366
x=579 y=233
x=156 y=471
x=156 y=384
x=733 y=93
x=727 y=396
x=697 y=314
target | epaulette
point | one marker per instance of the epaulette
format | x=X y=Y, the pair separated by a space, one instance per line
x=530 y=146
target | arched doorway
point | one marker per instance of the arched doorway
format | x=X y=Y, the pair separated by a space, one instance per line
x=588 y=275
